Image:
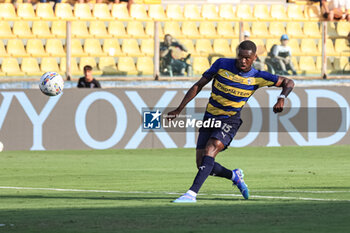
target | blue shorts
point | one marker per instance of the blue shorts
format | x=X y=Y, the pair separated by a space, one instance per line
x=229 y=128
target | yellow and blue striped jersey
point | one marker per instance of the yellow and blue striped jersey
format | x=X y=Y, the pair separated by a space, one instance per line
x=232 y=88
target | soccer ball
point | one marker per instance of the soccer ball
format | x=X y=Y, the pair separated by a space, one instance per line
x=51 y=84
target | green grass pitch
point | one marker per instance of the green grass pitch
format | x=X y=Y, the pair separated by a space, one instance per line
x=293 y=189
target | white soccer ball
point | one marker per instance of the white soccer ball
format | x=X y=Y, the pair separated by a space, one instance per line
x=51 y=84
x=1 y=146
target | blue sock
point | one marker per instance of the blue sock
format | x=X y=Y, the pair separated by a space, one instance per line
x=203 y=173
x=221 y=171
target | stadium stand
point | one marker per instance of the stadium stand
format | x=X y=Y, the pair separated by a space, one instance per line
x=145 y=65
x=30 y=66
x=107 y=65
x=101 y=12
x=15 y=48
x=7 y=11
x=5 y=30
x=44 y=11
x=25 y=11
x=54 y=48
x=11 y=67
x=98 y=29
x=127 y=66
x=48 y=64
x=58 y=29
x=35 y=48
x=41 y=30
x=200 y=64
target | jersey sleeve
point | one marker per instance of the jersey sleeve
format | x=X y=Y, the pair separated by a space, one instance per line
x=212 y=70
x=264 y=78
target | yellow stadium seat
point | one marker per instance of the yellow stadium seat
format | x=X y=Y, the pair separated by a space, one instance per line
x=203 y=47
x=207 y=29
x=21 y=29
x=54 y=48
x=64 y=11
x=259 y=30
x=189 y=30
x=150 y=29
x=93 y=48
x=135 y=29
x=44 y=11
x=312 y=12
x=276 y=29
x=10 y=67
x=189 y=46
x=74 y=70
x=294 y=30
x=7 y=11
x=261 y=50
x=209 y=12
x=330 y=67
x=270 y=43
x=261 y=12
x=145 y=65
x=82 y=11
x=295 y=12
x=244 y=12
x=101 y=11
x=76 y=48
x=200 y=65
x=226 y=12
x=107 y=65
x=117 y=29
x=156 y=12
x=138 y=11
x=26 y=11
x=308 y=47
x=30 y=66
x=147 y=47
x=234 y=46
x=91 y=62
x=58 y=29
x=41 y=30
x=225 y=30
x=3 y=52
x=312 y=30
x=222 y=47
x=307 y=65
x=35 y=48
x=278 y=12
x=130 y=47
x=79 y=30
x=246 y=27
x=49 y=64
x=98 y=29
x=174 y=12
x=343 y=28
x=341 y=46
x=191 y=11
x=213 y=59
x=342 y=64
x=331 y=29
x=296 y=64
x=173 y=28
x=330 y=51
x=111 y=47
x=126 y=65
x=5 y=30
x=120 y=11
x=15 y=48
x=295 y=47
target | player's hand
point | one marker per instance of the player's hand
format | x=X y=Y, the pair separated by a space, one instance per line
x=278 y=106
x=173 y=114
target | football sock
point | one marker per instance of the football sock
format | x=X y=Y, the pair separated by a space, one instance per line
x=221 y=171
x=193 y=194
x=203 y=173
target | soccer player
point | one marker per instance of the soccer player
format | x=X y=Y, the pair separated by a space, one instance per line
x=234 y=81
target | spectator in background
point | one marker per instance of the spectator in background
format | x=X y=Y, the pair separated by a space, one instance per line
x=282 y=55
x=88 y=80
x=334 y=9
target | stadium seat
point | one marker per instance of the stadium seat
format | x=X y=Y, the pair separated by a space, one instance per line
x=203 y=47
x=342 y=47
x=261 y=50
x=225 y=30
x=127 y=66
x=278 y=12
x=312 y=12
x=174 y=12
x=244 y=12
x=295 y=12
x=330 y=51
x=15 y=48
x=54 y=48
x=234 y=46
x=294 y=30
x=295 y=47
x=41 y=30
x=342 y=64
x=25 y=11
x=48 y=64
x=156 y=12
x=209 y=12
x=138 y=11
x=107 y=65
x=189 y=46
x=93 y=48
x=147 y=47
x=200 y=65
x=150 y=29
x=10 y=67
x=226 y=12
x=189 y=30
x=307 y=65
x=330 y=67
x=207 y=29
x=311 y=30
x=270 y=43
x=35 y=48
x=30 y=66
x=64 y=11
x=21 y=29
x=111 y=47
x=135 y=30
x=331 y=29
x=296 y=64
x=5 y=30
x=98 y=29
x=101 y=11
x=82 y=11
x=130 y=47
x=213 y=59
x=222 y=47
x=74 y=70
x=308 y=47
x=192 y=12
x=3 y=52
x=76 y=48
x=261 y=12
x=246 y=27
x=58 y=29
x=145 y=65
x=120 y=11
x=259 y=30
x=343 y=28
x=276 y=29
x=79 y=30
x=117 y=29
x=7 y=11
x=44 y=11
x=173 y=28
x=91 y=62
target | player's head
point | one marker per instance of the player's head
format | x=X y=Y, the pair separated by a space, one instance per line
x=168 y=39
x=246 y=55
x=88 y=71
x=284 y=39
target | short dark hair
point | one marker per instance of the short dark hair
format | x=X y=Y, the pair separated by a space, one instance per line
x=247 y=45
x=87 y=68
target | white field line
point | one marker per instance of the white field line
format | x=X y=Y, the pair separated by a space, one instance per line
x=167 y=193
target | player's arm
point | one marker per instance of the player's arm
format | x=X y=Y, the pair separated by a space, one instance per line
x=191 y=93
x=287 y=87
